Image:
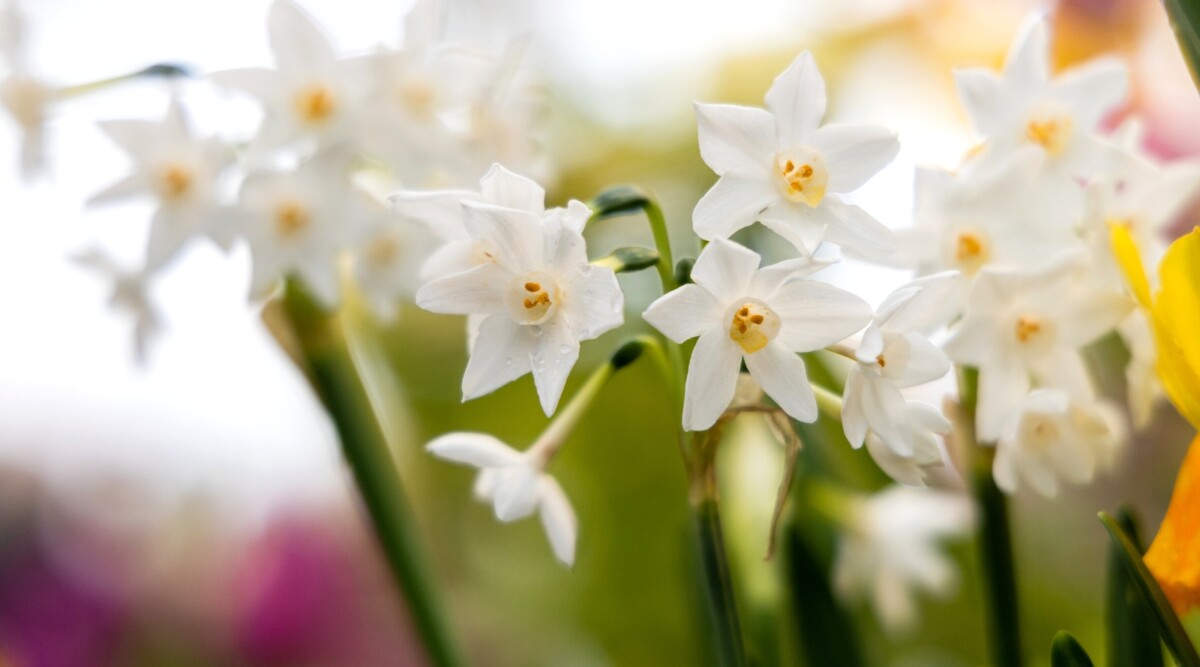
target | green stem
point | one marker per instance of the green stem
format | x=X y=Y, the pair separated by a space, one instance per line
x=331 y=369
x=662 y=243
x=995 y=534
x=164 y=70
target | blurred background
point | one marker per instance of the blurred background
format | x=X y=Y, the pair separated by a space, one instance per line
x=195 y=510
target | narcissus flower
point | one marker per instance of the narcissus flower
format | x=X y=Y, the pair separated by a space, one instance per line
x=924 y=425
x=780 y=167
x=130 y=295
x=537 y=292
x=388 y=253
x=25 y=97
x=760 y=316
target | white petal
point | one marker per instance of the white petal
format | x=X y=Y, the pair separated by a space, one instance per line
x=734 y=202
x=504 y=188
x=801 y=225
x=857 y=232
x=979 y=92
x=596 y=304
x=137 y=183
x=685 y=313
x=924 y=362
x=516 y=493
x=736 y=139
x=169 y=232
x=514 y=237
x=1083 y=320
x=854 y=416
x=797 y=101
x=451 y=258
x=1027 y=66
x=479 y=290
x=476 y=449
x=887 y=413
x=558 y=520
x=854 y=153
x=296 y=40
x=440 y=212
x=725 y=269
x=1093 y=90
x=321 y=278
x=770 y=278
x=711 y=380
x=138 y=138
x=256 y=81
x=781 y=374
x=817 y=314
x=575 y=216
x=499 y=356
x=554 y=354
x=1001 y=390
x=922 y=304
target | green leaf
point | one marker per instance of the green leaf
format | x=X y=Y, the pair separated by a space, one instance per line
x=1185 y=20
x=826 y=632
x=1066 y=652
x=1169 y=627
x=1132 y=630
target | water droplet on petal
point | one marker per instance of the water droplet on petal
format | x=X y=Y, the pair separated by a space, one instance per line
x=564 y=349
x=508 y=361
x=535 y=330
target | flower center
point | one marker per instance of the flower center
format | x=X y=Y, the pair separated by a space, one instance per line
x=291 y=218
x=1049 y=129
x=970 y=251
x=417 y=94
x=25 y=99
x=801 y=175
x=1041 y=433
x=1034 y=333
x=315 y=103
x=533 y=298
x=752 y=325
x=383 y=250
x=174 y=181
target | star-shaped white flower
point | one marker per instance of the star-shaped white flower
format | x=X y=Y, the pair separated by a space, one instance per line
x=516 y=485
x=760 y=316
x=537 y=292
x=890 y=549
x=310 y=94
x=1025 y=325
x=130 y=296
x=1052 y=437
x=924 y=424
x=388 y=254
x=780 y=167
x=175 y=168
x=895 y=352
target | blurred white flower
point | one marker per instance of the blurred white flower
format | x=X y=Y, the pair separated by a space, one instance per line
x=175 y=168
x=1020 y=324
x=516 y=484
x=1142 y=384
x=388 y=254
x=890 y=549
x=310 y=95
x=895 y=352
x=924 y=425
x=538 y=292
x=760 y=316
x=24 y=97
x=130 y=296
x=1053 y=437
x=296 y=223
x=780 y=167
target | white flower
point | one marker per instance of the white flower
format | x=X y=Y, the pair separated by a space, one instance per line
x=780 y=167
x=895 y=352
x=538 y=292
x=760 y=316
x=310 y=94
x=924 y=424
x=296 y=223
x=130 y=295
x=178 y=170
x=1142 y=384
x=1020 y=324
x=1026 y=107
x=890 y=549
x=388 y=256
x=1052 y=437
x=516 y=485
x=25 y=97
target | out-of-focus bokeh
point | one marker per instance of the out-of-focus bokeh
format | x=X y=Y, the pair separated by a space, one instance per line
x=195 y=510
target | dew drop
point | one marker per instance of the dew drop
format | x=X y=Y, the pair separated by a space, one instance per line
x=508 y=361
x=564 y=349
x=535 y=330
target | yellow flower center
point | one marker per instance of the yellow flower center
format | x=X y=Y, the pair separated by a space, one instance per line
x=752 y=325
x=533 y=298
x=801 y=175
x=291 y=218
x=1051 y=130
x=174 y=181
x=1034 y=333
x=417 y=94
x=971 y=251
x=383 y=250
x=316 y=103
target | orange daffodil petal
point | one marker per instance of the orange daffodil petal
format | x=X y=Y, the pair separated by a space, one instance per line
x=1174 y=557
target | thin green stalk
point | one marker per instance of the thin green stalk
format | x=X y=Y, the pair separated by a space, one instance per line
x=326 y=357
x=995 y=541
x=662 y=243
x=164 y=70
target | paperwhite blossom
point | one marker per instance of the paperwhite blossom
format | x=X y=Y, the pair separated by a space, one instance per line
x=130 y=296
x=296 y=223
x=1021 y=326
x=176 y=169
x=310 y=94
x=388 y=254
x=760 y=316
x=1053 y=437
x=780 y=167
x=516 y=485
x=895 y=352
x=25 y=97
x=890 y=549
x=537 y=292
x=1142 y=384
x=924 y=425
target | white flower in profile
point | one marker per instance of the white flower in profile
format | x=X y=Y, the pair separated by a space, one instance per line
x=761 y=316
x=1142 y=384
x=889 y=550
x=1021 y=326
x=310 y=94
x=388 y=254
x=537 y=293
x=178 y=170
x=25 y=97
x=516 y=484
x=895 y=352
x=924 y=424
x=1053 y=437
x=296 y=223
x=780 y=167
x=1026 y=106
x=130 y=296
